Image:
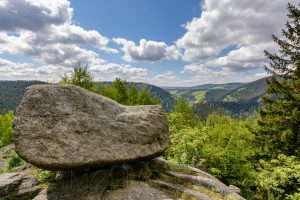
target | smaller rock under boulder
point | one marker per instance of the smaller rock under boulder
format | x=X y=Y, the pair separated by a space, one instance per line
x=18 y=186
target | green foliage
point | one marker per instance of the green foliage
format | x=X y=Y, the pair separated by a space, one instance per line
x=279 y=118
x=183 y=116
x=13 y=161
x=80 y=77
x=6 y=137
x=249 y=92
x=120 y=92
x=237 y=110
x=11 y=93
x=229 y=149
x=43 y=176
x=294 y=196
x=186 y=146
x=279 y=177
x=162 y=96
x=222 y=145
x=226 y=148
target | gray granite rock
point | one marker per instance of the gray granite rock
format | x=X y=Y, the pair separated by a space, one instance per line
x=64 y=127
x=18 y=186
x=137 y=190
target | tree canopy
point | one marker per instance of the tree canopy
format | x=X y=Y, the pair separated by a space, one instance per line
x=80 y=77
x=279 y=117
x=119 y=91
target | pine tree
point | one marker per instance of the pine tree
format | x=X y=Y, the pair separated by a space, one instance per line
x=279 y=117
x=80 y=77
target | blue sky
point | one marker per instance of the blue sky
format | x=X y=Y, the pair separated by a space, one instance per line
x=157 y=20
x=162 y=42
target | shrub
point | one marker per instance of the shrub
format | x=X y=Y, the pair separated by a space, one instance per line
x=13 y=161
x=6 y=137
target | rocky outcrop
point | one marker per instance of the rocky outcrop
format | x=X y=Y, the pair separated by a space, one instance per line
x=67 y=127
x=137 y=181
x=18 y=186
x=136 y=190
x=181 y=189
x=184 y=179
x=103 y=151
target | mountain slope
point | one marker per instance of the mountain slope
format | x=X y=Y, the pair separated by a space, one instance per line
x=207 y=92
x=11 y=93
x=229 y=92
x=166 y=99
x=207 y=86
x=249 y=92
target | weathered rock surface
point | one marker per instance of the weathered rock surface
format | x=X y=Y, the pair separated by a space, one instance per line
x=192 y=176
x=18 y=186
x=64 y=127
x=7 y=148
x=181 y=188
x=140 y=180
x=136 y=190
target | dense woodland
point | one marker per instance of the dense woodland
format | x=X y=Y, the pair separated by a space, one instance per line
x=252 y=146
x=11 y=93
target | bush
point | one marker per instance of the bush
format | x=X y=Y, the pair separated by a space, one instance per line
x=279 y=177
x=120 y=92
x=222 y=146
x=43 y=176
x=294 y=196
x=6 y=121
x=13 y=161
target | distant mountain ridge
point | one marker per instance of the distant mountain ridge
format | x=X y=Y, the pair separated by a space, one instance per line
x=11 y=93
x=229 y=92
x=248 y=92
x=205 y=86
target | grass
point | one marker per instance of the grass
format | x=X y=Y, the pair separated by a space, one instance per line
x=199 y=95
x=219 y=87
x=187 y=184
x=45 y=177
x=12 y=160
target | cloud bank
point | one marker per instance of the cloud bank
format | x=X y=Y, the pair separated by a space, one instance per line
x=224 y=43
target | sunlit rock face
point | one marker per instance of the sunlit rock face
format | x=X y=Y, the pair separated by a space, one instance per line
x=66 y=127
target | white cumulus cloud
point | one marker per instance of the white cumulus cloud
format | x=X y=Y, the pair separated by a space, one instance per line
x=223 y=24
x=44 y=31
x=147 y=50
x=119 y=69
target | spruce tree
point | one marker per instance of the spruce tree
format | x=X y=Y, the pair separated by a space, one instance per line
x=80 y=77
x=279 y=117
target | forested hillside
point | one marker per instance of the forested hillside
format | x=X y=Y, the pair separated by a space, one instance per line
x=199 y=93
x=11 y=93
x=249 y=92
x=230 y=92
x=235 y=99
x=239 y=100
x=237 y=110
x=165 y=98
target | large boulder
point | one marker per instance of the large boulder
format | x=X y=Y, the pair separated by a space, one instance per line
x=64 y=127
